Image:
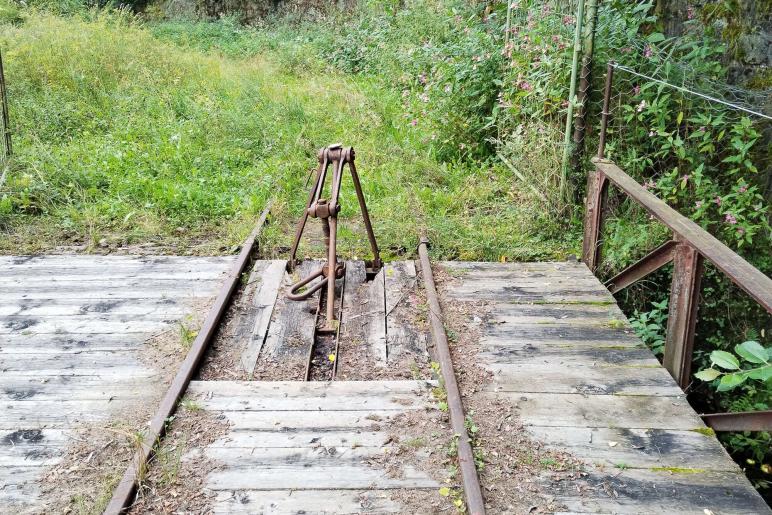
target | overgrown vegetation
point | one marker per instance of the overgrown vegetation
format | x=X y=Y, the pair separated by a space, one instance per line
x=176 y=135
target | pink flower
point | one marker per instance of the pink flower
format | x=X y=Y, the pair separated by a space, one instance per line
x=740 y=231
x=525 y=85
x=636 y=89
x=685 y=178
x=647 y=52
x=568 y=20
x=690 y=13
x=414 y=122
x=718 y=201
x=742 y=189
x=698 y=204
x=649 y=185
x=730 y=219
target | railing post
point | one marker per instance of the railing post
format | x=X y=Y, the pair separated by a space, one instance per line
x=597 y=190
x=682 y=317
x=5 y=128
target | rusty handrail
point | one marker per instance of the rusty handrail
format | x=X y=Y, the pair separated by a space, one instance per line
x=690 y=245
x=742 y=273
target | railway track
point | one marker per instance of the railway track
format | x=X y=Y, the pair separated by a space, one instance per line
x=360 y=337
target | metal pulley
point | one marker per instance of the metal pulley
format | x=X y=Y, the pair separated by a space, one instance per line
x=326 y=210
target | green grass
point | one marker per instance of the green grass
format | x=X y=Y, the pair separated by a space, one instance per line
x=176 y=134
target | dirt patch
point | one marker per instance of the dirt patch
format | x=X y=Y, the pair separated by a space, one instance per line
x=512 y=466
x=83 y=482
x=94 y=462
x=421 y=440
x=177 y=474
x=222 y=359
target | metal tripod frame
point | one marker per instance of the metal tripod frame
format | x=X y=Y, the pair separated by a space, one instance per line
x=327 y=211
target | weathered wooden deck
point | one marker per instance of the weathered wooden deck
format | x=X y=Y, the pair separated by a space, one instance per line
x=72 y=338
x=565 y=356
x=73 y=330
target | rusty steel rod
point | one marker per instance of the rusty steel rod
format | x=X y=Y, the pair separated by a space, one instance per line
x=741 y=421
x=749 y=278
x=652 y=262
x=470 y=480
x=124 y=492
x=5 y=118
x=605 y=113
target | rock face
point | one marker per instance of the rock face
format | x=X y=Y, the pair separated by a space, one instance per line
x=744 y=25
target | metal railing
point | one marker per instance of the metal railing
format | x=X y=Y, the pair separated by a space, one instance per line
x=687 y=250
x=5 y=127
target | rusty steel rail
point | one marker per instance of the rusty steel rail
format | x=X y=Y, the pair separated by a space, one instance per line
x=124 y=492
x=741 y=421
x=469 y=478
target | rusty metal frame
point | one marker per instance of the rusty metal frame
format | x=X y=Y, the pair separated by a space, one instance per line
x=469 y=478
x=741 y=421
x=650 y=263
x=123 y=494
x=327 y=211
x=692 y=246
x=4 y=116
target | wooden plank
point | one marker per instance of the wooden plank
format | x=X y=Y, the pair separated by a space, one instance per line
x=618 y=448
x=75 y=341
x=628 y=356
x=504 y=334
x=87 y=275
x=341 y=477
x=307 y=456
x=65 y=362
x=42 y=412
x=112 y=373
x=403 y=337
x=567 y=377
x=557 y=268
x=36 y=325
x=108 y=262
x=263 y=302
x=76 y=307
x=375 y=327
x=335 y=396
x=300 y=389
x=294 y=420
x=291 y=330
x=75 y=390
x=303 y=438
x=576 y=410
x=556 y=314
x=742 y=273
x=635 y=491
x=355 y=318
x=172 y=290
x=22 y=438
x=286 y=502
